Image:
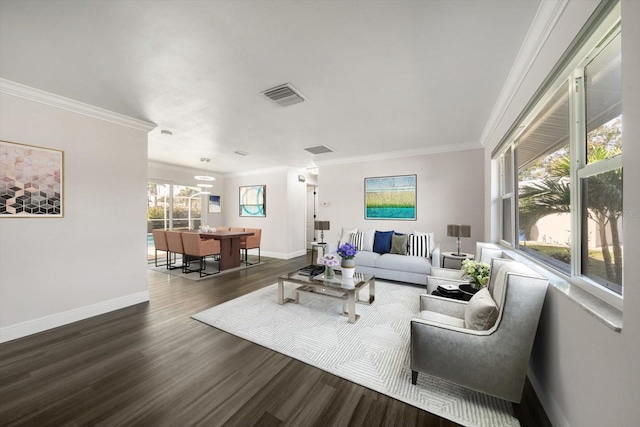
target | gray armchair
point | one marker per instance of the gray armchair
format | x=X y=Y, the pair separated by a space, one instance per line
x=446 y=342
x=485 y=252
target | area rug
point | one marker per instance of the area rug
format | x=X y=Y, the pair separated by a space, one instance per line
x=212 y=267
x=373 y=352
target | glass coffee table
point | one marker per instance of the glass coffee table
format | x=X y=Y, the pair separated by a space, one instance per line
x=346 y=290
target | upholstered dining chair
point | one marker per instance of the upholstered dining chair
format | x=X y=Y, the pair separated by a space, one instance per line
x=174 y=242
x=222 y=228
x=240 y=229
x=160 y=244
x=251 y=242
x=483 y=344
x=438 y=276
x=195 y=247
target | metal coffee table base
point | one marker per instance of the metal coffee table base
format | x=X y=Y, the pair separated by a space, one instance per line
x=330 y=289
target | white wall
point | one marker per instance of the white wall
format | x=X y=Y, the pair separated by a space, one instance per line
x=449 y=191
x=58 y=270
x=585 y=373
x=283 y=228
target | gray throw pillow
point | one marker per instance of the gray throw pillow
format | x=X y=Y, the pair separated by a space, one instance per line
x=481 y=312
x=399 y=244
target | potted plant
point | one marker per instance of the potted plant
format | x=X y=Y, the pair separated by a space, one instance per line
x=348 y=264
x=477 y=272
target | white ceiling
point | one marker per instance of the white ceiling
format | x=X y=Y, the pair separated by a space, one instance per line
x=380 y=76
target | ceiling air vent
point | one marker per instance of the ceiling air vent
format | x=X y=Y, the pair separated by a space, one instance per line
x=284 y=95
x=320 y=149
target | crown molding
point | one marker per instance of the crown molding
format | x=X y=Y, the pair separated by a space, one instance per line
x=21 y=91
x=543 y=24
x=339 y=161
x=401 y=154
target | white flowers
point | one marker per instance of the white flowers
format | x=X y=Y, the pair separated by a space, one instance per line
x=477 y=271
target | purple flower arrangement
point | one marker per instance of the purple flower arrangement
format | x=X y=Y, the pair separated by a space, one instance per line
x=347 y=251
x=330 y=260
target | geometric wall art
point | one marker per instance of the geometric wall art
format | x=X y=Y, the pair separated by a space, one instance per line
x=252 y=200
x=390 y=197
x=31 y=181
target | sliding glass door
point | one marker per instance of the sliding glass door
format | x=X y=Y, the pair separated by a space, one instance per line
x=172 y=207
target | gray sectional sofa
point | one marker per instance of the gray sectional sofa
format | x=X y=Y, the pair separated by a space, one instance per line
x=393 y=266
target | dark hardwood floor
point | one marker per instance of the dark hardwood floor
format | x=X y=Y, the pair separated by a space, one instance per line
x=152 y=365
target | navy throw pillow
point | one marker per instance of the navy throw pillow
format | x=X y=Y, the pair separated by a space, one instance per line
x=382 y=242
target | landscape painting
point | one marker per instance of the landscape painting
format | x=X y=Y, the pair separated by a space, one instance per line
x=390 y=197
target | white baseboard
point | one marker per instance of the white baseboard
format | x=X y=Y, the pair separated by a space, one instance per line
x=30 y=327
x=280 y=255
x=551 y=407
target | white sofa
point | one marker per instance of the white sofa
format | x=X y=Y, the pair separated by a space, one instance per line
x=402 y=268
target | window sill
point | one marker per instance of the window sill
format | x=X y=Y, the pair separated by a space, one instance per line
x=606 y=313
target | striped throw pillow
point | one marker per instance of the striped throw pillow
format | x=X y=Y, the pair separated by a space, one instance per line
x=357 y=240
x=419 y=245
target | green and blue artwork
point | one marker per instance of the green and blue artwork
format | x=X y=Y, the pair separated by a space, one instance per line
x=252 y=201
x=390 y=197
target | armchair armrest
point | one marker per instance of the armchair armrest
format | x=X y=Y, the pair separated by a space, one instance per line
x=448 y=273
x=448 y=306
x=435 y=255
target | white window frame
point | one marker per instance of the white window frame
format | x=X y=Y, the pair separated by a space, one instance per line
x=574 y=73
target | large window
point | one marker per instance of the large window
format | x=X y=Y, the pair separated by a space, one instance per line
x=564 y=160
x=174 y=207
x=544 y=184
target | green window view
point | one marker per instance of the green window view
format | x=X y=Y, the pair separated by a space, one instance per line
x=544 y=185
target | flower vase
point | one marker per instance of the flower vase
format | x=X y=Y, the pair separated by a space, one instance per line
x=348 y=267
x=328 y=272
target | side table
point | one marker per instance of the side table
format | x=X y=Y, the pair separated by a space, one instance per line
x=464 y=293
x=458 y=258
x=315 y=249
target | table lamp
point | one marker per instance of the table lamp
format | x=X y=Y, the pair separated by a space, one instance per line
x=458 y=231
x=322 y=226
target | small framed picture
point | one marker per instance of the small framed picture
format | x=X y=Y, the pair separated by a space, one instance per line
x=214 y=204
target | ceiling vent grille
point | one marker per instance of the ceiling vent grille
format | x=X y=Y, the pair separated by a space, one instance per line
x=284 y=95
x=320 y=149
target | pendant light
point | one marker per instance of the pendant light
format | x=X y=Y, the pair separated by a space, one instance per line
x=204 y=176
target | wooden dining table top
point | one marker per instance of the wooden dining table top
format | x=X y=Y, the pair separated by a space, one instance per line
x=220 y=235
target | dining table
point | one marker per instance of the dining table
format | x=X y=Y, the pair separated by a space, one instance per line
x=229 y=246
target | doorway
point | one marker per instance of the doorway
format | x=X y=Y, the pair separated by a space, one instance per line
x=312 y=206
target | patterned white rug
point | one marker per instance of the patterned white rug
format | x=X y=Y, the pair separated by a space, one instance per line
x=373 y=352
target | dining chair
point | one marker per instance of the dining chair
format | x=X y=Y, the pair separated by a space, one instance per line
x=251 y=242
x=174 y=242
x=160 y=244
x=196 y=247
